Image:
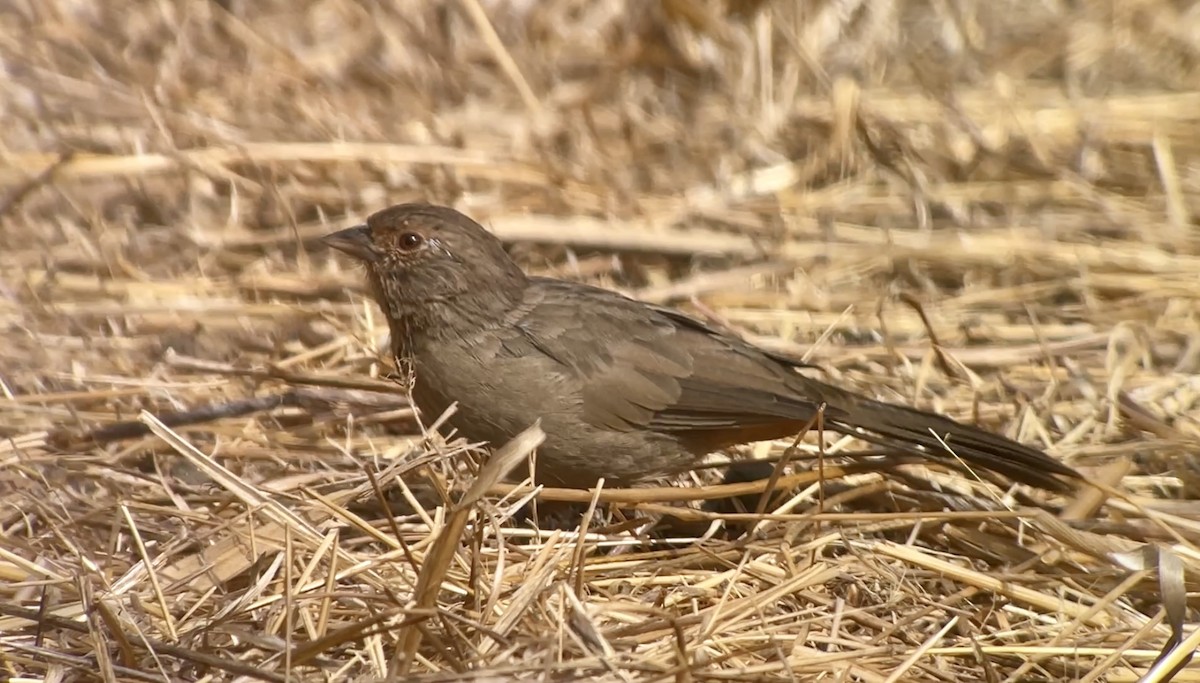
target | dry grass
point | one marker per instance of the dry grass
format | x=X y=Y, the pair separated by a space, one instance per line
x=1025 y=175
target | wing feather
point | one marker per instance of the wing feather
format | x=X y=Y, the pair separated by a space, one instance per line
x=663 y=371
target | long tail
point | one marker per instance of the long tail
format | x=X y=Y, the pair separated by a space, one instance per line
x=905 y=428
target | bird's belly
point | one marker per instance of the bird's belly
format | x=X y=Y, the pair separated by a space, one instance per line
x=496 y=401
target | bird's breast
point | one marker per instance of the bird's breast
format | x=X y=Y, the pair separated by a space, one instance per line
x=497 y=394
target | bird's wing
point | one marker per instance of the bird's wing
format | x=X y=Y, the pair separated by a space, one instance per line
x=647 y=367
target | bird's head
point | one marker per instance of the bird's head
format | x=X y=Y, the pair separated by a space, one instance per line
x=422 y=257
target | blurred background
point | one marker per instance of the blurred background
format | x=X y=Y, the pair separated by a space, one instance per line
x=985 y=208
x=1038 y=157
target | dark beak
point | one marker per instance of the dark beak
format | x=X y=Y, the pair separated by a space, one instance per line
x=355 y=241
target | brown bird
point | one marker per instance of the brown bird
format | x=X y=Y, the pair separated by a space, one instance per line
x=625 y=390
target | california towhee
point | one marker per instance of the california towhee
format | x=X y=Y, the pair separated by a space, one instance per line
x=625 y=390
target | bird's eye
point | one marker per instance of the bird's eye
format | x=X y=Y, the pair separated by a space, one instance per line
x=410 y=241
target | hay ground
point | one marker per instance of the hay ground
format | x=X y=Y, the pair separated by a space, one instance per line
x=988 y=209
